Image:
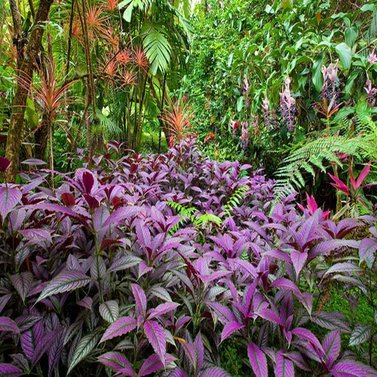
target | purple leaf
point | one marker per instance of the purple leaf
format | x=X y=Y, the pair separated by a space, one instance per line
x=230 y=328
x=284 y=283
x=225 y=315
x=332 y=321
x=305 y=334
x=156 y=337
x=284 y=367
x=270 y=316
x=178 y=372
x=8 y=325
x=66 y=281
x=257 y=360
x=143 y=235
x=117 y=362
x=22 y=283
x=298 y=259
x=55 y=351
x=346 y=368
x=140 y=299
x=9 y=370
x=367 y=250
x=152 y=364
x=162 y=309
x=214 y=372
x=121 y=214
x=4 y=164
x=331 y=347
x=121 y=326
x=199 y=349
x=31 y=338
x=345 y=267
x=9 y=198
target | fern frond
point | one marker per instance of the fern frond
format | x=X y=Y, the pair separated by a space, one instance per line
x=235 y=199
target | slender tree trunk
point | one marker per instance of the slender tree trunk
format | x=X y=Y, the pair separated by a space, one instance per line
x=14 y=138
x=17 y=31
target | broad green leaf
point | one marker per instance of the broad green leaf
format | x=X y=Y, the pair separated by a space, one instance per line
x=345 y=55
x=351 y=35
x=317 y=77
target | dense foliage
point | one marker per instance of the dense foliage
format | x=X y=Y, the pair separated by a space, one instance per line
x=145 y=265
x=285 y=78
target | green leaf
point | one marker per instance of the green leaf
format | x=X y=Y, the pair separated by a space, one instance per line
x=83 y=349
x=240 y=102
x=127 y=14
x=345 y=55
x=157 y=48
x=351 y=35
x=317 y=77
x=368 y=7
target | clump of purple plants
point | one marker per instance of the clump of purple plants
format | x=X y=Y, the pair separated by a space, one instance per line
x=101 y=273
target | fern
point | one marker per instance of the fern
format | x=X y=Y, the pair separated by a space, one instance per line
x=188 y=214
x=235 y=199
x=318 y=153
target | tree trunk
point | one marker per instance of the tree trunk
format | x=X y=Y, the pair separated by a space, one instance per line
x=19 y=101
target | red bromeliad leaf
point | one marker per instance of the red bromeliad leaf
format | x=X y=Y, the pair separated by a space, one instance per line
x=7 y=324
x=230 y=328
x=117 y=362
x=339 y=185
x=9 y=198
x=284 y=367
x=257 y=360
x=121 y=326
x=66 y=281
x=156 y=337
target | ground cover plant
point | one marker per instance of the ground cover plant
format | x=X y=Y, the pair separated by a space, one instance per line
x=148 y=265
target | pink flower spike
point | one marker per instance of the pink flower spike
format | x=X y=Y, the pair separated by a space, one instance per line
x=339 y=184
x=363 y=175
